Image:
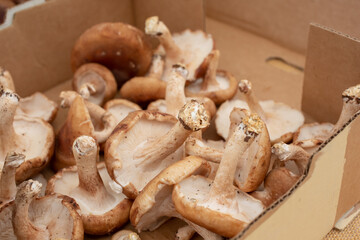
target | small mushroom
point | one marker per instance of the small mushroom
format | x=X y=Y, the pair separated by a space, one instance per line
x=147 y=88
x=280 y=179
x=190 y=48
x=7 y=178
x=52 y=216
x=309 y=136
x=218 y=205
x=125 y=235
x=37 y=106
x=281 y=120
x=120 y=47
x=6 y=80
x=84 y=118
x=153 y=206
x=103 y=207
x=147 y=142
x=94 y=83
x=120 y=108
x=218 y=85
x=175 y=95
x=32 y=137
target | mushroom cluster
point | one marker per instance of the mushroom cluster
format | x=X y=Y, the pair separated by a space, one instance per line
x=116 y=163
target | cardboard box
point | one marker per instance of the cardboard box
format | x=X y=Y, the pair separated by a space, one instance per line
x=36 y=48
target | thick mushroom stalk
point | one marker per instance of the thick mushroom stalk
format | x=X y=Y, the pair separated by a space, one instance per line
x=210 y=75
x=218 y=205
x=23 y=227
x=7 y=178
x=155 y=27
x=192 y=117
x=246 y=87
x=175 y=96
x=6 y=80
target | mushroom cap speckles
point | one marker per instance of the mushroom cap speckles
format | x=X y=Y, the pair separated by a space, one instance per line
x=194 y=116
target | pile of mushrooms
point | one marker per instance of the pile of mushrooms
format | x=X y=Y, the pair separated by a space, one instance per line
x=116 y=163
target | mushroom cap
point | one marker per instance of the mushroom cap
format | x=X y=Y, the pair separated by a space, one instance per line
x=98 y=75
x=195 y=47
x=135 y=130
x=100 y=216
x=282 y=121
x=120 y=108
x=218 y=94
x=191 y=200
x=143 y=89
x=78 y=123
x=38 y=106
x=120 y=47
x=125 y=235
x=312 y=134
x=150 y=209
x=160 y=105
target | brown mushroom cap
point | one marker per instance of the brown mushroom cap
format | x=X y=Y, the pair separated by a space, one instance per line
x=95 y=83
x=120 y=108
x=120 y=47
x=32 y=137
x=37 y=106
x=312 y=134
x=103 y=206
x=39 y=218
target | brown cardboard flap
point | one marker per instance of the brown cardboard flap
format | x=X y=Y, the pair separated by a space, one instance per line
x=332 y=65
x=287 y=22
x=36 y=47
x=177 y=15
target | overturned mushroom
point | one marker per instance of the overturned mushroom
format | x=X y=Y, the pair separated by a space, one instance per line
x=120 y=47
x=39 y=106
x=125 y=235
x=84 y=118
x=280 y=179
x=103 y=207
x=120 y=108
x=7 y=178
x=218 y=85
x=32 y=137
x=147 y=142
x=94 y=83
x=309 y=136
x=153 y=206
x=218 y=205
x=190 y=48
x=49 y=217
x=281 y=120
x=175 y=95
x=147 y=88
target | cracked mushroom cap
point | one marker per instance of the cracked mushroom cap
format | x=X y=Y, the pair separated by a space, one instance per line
x=120 y=108
x=120 y=47
x=95 y=83
x=103 y=207
x=37 y=106
x=28 y=217
x=32 y=137
x=188 y=47
x=146 y=142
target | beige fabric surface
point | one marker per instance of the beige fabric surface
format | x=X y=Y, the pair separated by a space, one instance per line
x=351 y=232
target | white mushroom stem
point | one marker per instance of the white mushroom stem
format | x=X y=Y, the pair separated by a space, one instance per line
x=86 y=153
x=246 y=87
x=185 y=233
x=210 y=76
x=175 y=95
x=286 y=152
x=195 y=147
x=87 y=89
x=192 y=117
x=6 y=80
x=155 y=27
x=157 y=67
x=351 y=105
x=23 y=227
x=7 y=178
x=9 y=101
x=238 y=142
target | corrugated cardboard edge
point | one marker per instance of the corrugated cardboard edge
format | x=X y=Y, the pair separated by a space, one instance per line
x=267 y=213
